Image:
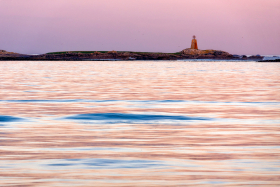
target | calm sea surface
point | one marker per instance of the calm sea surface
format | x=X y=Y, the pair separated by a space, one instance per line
x=139 y=124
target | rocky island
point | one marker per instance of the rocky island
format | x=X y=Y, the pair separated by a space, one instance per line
x=126 y=55
x=189 y=53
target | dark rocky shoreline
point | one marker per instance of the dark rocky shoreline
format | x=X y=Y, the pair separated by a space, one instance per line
x=276 y=60
x=125 y=56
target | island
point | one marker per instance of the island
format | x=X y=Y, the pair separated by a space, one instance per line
x=189 y=53
x=126 y=55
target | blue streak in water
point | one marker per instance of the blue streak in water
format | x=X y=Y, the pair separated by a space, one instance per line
x=107 y=163
x=131 y=117
x=9 y=119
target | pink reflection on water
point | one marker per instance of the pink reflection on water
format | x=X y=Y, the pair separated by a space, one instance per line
x=240 y=146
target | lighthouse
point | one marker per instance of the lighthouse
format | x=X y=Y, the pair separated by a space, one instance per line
x=194 y=43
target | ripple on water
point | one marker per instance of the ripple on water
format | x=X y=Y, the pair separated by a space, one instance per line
x=98 y=163
x=9 y=119
x=131 y=118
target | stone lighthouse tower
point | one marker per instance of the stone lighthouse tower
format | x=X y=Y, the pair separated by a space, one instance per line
x=194 y=43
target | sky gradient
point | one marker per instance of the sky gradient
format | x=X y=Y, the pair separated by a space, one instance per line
x=235 y=26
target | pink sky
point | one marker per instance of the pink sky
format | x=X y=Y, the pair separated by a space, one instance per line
x=235 y=26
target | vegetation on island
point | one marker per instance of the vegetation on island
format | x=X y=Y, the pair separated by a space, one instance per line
x=126 y=55
x=92 y=52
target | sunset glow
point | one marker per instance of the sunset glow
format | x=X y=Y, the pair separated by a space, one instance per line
x=241 y=27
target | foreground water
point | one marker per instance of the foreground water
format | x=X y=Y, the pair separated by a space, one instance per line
x=139 y=124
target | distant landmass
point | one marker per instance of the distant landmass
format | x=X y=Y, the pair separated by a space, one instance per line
x=126 y=55
x=189 y=53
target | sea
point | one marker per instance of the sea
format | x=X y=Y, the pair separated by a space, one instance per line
x=139 y=123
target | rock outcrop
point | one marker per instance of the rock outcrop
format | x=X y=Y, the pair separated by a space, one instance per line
x=255 y=57
x=207 y=54
x=276 y=60
x=4 y=53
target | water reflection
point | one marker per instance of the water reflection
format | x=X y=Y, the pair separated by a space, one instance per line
x=109 y=118
x=139 y=123
x=9 y=118
x=104 y=163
